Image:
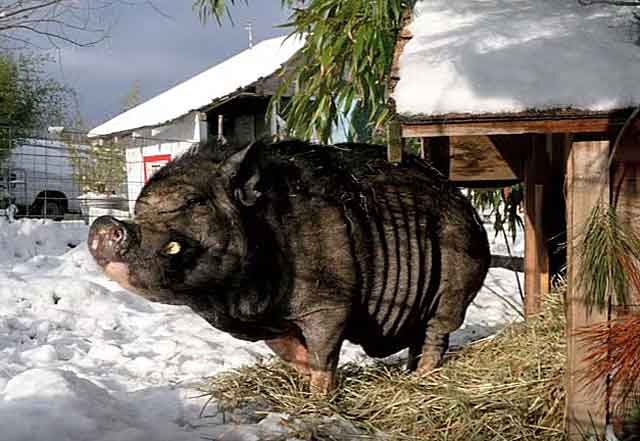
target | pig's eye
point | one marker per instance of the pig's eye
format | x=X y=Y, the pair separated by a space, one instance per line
x=196 y=201
x=172 y=248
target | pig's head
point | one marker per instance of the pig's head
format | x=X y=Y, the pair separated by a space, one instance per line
x=188 y=233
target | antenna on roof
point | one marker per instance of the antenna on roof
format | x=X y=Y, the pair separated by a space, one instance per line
x=249 y=28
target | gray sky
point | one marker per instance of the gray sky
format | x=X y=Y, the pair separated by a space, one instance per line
x=158 y=52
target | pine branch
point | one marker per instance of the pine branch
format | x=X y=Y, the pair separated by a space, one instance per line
x=614 y=349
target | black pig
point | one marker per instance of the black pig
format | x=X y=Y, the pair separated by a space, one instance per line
x=305 y=246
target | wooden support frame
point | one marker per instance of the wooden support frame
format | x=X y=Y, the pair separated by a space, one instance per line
x=536 y=260
x=395 y=143
x=509 y=127
x=587 y=174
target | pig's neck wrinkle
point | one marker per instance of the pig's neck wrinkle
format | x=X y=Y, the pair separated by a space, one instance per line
x=264 y=280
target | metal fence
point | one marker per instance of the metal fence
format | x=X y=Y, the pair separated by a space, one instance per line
x=65 y=175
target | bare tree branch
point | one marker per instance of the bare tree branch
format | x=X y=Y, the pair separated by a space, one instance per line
x=159 y=11
x=75 y=22
x=26 y=10
x=609 y=2
x=58 y=36
x=23 y=43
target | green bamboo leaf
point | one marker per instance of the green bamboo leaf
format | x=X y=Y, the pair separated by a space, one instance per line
x=344 y=39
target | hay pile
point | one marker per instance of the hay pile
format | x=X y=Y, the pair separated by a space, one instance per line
x=506 y=388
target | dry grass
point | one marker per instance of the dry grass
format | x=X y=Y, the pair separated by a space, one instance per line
x=506 y=388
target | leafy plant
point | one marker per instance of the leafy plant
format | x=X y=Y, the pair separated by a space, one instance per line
x=609 y=248
x=98 y=168
x=29 y=99
x=610 y=258
x=345 y=63
x=502 y=207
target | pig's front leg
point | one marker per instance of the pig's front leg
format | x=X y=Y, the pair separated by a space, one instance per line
x=323 y=332
x=292 y=349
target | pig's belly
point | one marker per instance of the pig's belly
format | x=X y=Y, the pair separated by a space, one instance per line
x=400 y=270
x=378 y=341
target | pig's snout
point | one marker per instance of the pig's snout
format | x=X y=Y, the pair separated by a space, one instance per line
x=109 y=239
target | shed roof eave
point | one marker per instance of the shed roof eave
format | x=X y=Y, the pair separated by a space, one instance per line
x=565 y=121
x=532 y=115
x=207 y=108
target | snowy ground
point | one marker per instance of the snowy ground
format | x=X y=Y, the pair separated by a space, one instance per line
x=81 y=359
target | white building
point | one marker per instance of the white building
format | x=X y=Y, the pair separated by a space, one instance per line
x=229 y=99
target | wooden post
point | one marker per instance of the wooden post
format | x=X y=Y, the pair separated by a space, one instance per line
x=220 y=127
x=424 y=148
x=394 y=142
x=626 y=191
x=536 y=261
x=555 y=207
x=201 y=130
x=587 y=173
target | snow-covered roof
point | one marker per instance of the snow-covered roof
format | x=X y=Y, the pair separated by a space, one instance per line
x=510 y=56
x=237 y=72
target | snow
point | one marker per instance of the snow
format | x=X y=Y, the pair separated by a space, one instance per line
x=494 y=56
x=80 y=358
x=20 y=241
x=507 y=247
x=237 y=72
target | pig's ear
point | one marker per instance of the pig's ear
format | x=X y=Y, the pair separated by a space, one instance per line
x=243 y=170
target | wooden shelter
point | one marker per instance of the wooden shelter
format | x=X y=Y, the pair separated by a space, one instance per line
x=510 y=126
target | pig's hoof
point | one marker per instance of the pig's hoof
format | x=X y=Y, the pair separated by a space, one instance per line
x=428 y=364
x=302 y=370
x=322 y=383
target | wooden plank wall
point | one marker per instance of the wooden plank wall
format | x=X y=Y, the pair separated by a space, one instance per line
x=587 y=173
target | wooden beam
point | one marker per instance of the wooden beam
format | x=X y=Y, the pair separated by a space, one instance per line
x=484 y=185
x=513 y=149
x=587 y=174
x=478 y=158
x=508 y=127
x=536 y=260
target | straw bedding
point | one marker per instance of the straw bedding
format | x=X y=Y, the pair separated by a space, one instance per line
x=509 y=387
